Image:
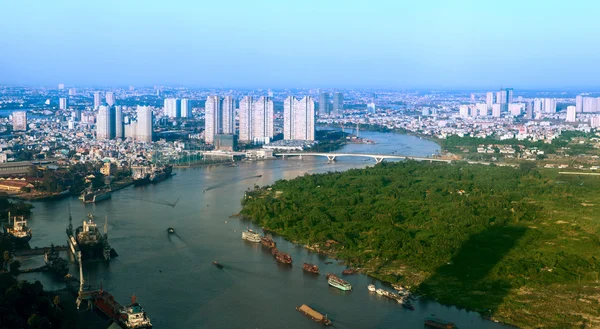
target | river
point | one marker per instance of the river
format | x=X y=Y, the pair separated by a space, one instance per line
x=173 y=277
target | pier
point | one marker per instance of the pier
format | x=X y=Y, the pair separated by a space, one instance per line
x=38 y=251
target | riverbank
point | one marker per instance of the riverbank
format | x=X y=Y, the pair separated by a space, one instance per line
x=501 y=241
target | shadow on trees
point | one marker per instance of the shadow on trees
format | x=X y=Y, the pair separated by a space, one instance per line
x=469 y=277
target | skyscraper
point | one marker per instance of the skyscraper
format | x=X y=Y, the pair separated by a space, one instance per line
x=186 y=108
x=529 y=110
x=571 y=113
x=489 y=99
x=499 y=98
x=590 y=104
x=61 y=86
x=104 y=124
x=537 y=105
x=464 y=111
x=97 y=99
x=579 y=103
x=110 y=98
x=338 y=103
x=262 y=120
x=228 y=116
x=212 y=119
x=549 y=105
x=516 y=109
x=299 y=118
x=496 y=110
x=119 y=128
x=143 y=128
x=62 y=103
x=19 y=120
x=509 y=95
x=72 y=91
x=324 y=105
x=482 y=109
x=172 y=107
x=245 y=115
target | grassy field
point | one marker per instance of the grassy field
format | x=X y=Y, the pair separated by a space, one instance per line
x=519 y=245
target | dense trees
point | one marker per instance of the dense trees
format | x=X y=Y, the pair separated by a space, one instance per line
x=468 y=235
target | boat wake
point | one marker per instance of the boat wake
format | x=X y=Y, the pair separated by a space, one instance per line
x=212 y=187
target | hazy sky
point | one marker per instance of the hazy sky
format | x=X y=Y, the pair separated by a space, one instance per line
x=525 y=44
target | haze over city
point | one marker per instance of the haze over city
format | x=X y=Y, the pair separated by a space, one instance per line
x=286 y=44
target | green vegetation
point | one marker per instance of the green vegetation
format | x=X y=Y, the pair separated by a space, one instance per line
x=520 y=245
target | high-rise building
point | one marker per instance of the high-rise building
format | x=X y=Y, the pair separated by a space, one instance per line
x=489 y=99
x=105 y=123
x=143 y=128
x=186 y=108
x=245 y=117
x=262 y=120
x=72 y=92
x=496 y=110
x=97 y=99
x=338 y=103
x=595 y=121
x=482 y=109
x=579 y=103
x=590 y=104
x=516 y=109
x=549 y=105
x=62 y=103
x=119 y=128
x=299 y=118
x=529 y=110
x=212 y=118
x=464 y=111
x=61 y=86
x=172 y=107
x=19 y=120
x=571 y=113
x=537 y=105
x=499 y=97
x=110 y=98
x=228 y=116
x=509 y=95
x=324 y=105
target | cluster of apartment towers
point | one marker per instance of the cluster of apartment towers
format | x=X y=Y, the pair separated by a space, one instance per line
x=502 y=102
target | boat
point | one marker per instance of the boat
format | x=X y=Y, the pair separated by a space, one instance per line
x=55 y=263
x=19 y=233
x=274 y=251
x=217 y=264
x=311 y=313
x=251 y=236
x=88 y=240
x=371 y=287
x=171 y=230
x=380 y=291
x=283 y=257
x=336 y=282
x=432 y=322
x=349 y=271
x=131 y=316
x=268 y=242
x=90 y=195
x=141 y=177
x=311 y=268
x=159 y=174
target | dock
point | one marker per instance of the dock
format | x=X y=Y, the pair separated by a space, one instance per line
x=38 y=251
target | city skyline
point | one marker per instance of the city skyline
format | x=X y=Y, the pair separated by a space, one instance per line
x=404 y=45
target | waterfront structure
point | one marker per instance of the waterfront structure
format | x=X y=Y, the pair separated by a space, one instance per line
x=226 y=142
x=119 y=128
x=143 y=129
x=212 y=118
x=579 y=103
x=571 y=113
x=97 y=100
x=496 y=110
x=227 y=115
x=186 y=108
x=19 y=120
x=110 y=98
x=338 y=103
x=62 y=103
x=489 y=99
x=324 y=104
x=172 y=108
x=299 y=118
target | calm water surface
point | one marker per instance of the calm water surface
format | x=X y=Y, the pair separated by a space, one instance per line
x=173 y=277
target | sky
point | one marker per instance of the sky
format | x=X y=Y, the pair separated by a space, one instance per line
x=451 y=44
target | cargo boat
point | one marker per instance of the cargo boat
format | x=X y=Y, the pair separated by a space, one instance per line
x=19 y=233
x=311 y=268
x=90 y=195
x=349 y=271
x=88 y=240
x=251 y=236
x=159 y=174
x=431 y=322
x=318 y=317
x=334 y=281
x=141 y=177
x=268 y=242
x=283 y=257
x=131 y=316
x=274 y=251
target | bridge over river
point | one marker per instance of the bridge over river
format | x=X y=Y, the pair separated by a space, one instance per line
x=378 y=157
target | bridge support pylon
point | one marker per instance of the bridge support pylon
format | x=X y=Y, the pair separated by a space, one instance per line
x=378 y=159
x=331 y=158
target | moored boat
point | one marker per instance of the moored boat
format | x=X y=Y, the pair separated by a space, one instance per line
x=90 y=195
x=274 y=251
x=380 y=291
x=250 y=235
x=432 y=322
x=311 y=268
x=88 y=240
x=19 y=233
x=371 y=287
x=131 y=316
x=334 y=281
x=268 y=242
x=283 y=257
x=349 y=271
x=316 y=316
